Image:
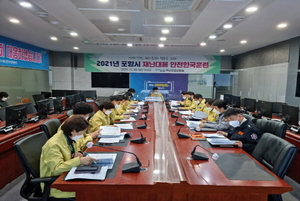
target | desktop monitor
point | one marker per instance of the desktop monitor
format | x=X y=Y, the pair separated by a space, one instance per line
x=236 y=101
x=88 y=94
x=38 y=97
x=290 y=114
x=264 y=108
x=69 y=102
x=43 y=108
x=77 y=98
x=16 y=115
x=249 y=104
x=227 y=98
x=2 y=114
x=46 y=94
x=277 y=107
x=57 y=105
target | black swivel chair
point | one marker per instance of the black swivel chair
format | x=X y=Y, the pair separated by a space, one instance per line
x=249 y=117
x=50 y=127
x=270 y=126
x=69 y=113
x=276 y=154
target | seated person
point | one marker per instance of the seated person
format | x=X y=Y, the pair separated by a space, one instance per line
x=131 y=91
x=116 y=114
x=130 y=101
x=212 y=116
x=198 y=104
x=221 y=124
x=155 y=93
x=102 y=117
x=3 y=99
x=244 y=131
x=60 y=154
x=186 y=99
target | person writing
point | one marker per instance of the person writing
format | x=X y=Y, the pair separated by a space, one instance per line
x=212 y=116
x=3 y=99
x=117 y=114
x=102 y=117
x=244 y=131
x=61 y=153
x=155 y=93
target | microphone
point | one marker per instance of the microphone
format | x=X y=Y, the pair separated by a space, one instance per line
x=143 y=126
x=145 y=112
x=201 y=156
x=174 y=115
x=178 y=123
x=143 y=117
x=182 y=135
x=140 y=140
x=145 y=104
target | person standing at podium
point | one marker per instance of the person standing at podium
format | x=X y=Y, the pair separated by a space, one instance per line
x=102 y=117
x=3 y=99
x=155 y=93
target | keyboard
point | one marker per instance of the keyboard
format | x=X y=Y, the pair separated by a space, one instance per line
x=6 y=129
x=32 y=120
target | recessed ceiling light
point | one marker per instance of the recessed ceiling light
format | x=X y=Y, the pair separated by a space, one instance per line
x=55 y=22
x=251 y=9
x=165 y=31
x=203 y=44
x=74 y=34
x=243 y=41
x=129 y=45
x=42 y=14
x=121 y=29
x=25 y=4
x=212 y=36
x=227 y=26
x=104 y=1
x=163 y=38
x=114 y=18
x=14 y=20
x=75 y=48
x=53 y=38
x=222 y=50
x=161 y=45
x=169 y=19
x=282 y=25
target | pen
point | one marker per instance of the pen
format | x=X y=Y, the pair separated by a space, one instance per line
x=90 y=157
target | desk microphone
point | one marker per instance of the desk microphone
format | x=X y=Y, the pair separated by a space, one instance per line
x=145 y=104
x=140 y=140
x=201 y=156
x=143 y=117
x=182 y=135
x=143 y=126
x=145 y=112
x=178 y=123
x=132 y=167
x=174 y=115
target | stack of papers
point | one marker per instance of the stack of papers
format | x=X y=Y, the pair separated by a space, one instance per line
x=192 y=124
x=220 y=141
x=109 y=131
x=141 y=103
x=200 y=115
x=130 y=119
x=124 y=126
x=174 y=103
x=214 y=135
x=188 y=112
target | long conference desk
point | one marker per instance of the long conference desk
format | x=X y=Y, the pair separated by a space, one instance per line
x=10 y=166
x=198 y=180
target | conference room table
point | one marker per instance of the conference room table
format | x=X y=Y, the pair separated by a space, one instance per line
x=200 y=180
x=10 y=166
x=294 y=169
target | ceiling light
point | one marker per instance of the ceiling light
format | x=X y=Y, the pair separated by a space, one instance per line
x=161 y=45
x=14 y=20
x=55 y=22
x=203 y=44
x=165 y=31
x=103 y=1
x=114 y=18
x=282 y=25
x=227 y=26
x=42 y=14
x=169 y=19
x=163 y=39
x=25 y=4
x=129 y=45
x=222 y=50
x=74 y=34
x=121 y=29
x=243 y=41
x=53 y=38
x=251 y=9
x=75 y=48
x=212 y=36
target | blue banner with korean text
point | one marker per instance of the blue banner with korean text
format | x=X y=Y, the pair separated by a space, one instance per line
x=18 y=54
x=180 y=64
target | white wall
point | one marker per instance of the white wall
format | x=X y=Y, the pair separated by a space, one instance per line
x=266 y=83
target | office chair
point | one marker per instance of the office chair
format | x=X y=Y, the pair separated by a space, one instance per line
x=269 y=126
x=25 y=100
x=276 y=154
x=69 y=113
x=249 y=117
x=50 y=127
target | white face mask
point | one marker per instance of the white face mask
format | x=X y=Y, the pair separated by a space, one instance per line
x=209 y=109
x=4 y=99
x=86 y=118
x=155 y=92
x=117 y=106
x=217 y=112
x=234 y=124
x=197 y=102
x=107 y=112
x=77 y=137
x=184 y=97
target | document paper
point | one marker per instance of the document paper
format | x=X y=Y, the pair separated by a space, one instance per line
x=90 y=176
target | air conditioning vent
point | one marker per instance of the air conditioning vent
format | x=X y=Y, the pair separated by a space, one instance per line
x=238 y=18
x=171 y=5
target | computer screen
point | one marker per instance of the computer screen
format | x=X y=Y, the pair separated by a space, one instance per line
x=69 y=102
x=43 y=108
x=77 y=98
x=264 y=108
x=38 y=97
x=46 y=94
x=88 y=94
x=16 y=115
x=59 y=93
x=110 y=80
x=236 y=101
x=57 y=105
x=227 y=98
x=249 y=104
x=290 y=114
x=277 y=107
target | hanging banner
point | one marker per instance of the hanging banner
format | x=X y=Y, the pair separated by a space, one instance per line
x=182 y=64
x=18 y=54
